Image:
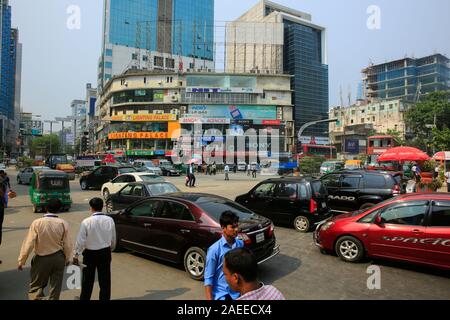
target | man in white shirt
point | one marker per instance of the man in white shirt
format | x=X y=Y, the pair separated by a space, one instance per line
x=447 y=177
x=227 y=172
x=96 y=240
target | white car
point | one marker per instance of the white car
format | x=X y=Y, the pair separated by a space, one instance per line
x=2 y=166
x=242 y=166
x=149 y=166
x=121 y=181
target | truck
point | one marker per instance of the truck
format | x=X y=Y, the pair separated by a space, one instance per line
x=59 y=161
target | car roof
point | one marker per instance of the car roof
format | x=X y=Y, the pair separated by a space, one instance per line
x=424 y=196
x=52 y=173
x=302 y=179
x=383 y=172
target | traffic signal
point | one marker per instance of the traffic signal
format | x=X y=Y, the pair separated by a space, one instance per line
x=84 y=144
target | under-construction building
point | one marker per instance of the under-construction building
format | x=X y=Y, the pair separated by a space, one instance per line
x=166 y=35
x=408 y=78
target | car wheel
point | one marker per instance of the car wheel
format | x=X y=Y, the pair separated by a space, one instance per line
x=195 y=262
x=302 y=224
x=109 y=205
x=83 y=185
x=367 y=205
x=106 y=194
x=349 y=249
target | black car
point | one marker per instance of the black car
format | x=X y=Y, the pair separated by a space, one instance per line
x=95 y=179
x=137 y=191
x=180 y=228
x=297 y=201
x=352 y=190
x=169 y=170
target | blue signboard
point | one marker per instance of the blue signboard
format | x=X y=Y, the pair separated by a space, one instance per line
x=235 y=112
x=352 y=146
x=92 y=101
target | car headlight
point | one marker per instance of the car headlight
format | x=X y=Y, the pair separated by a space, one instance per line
x=327 y=226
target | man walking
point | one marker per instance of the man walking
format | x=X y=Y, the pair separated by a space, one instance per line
x=96 y=240
x=49 y=238
x=6 y=186
x=192 y=176
x=215 y=283
x=254 y=170
x=226 y=170
x=241 y=273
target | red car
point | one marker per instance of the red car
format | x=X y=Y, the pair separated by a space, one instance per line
x=413 y=228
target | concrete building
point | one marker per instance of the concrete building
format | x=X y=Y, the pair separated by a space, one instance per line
x=407 y=78
x=78 y=108
x=169 y=35
x=142 y=111
x=91 y=99
x=271 y=38
x=29 y=126
x=366 y=118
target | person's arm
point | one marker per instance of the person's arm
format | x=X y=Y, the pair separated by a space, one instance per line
x=114 y=237
x=210 y=269
x=27 y=246
x=67 y=243
x=81 y=242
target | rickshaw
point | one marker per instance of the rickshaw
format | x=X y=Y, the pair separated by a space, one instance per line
x=49 y=184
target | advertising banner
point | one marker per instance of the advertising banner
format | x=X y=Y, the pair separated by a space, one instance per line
x=235 y=112
x=352 y=146
x=138 y=135
x=320 y=141
x=146 y=117
x=187 y=119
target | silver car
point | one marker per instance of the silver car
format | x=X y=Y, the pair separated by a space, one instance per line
x=25 y=174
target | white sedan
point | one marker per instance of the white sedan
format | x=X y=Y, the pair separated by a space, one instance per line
x=121 y=181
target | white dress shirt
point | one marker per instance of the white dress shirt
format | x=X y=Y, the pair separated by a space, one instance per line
x=96 y=232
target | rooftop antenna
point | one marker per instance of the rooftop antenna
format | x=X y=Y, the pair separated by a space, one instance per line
x=342 y=97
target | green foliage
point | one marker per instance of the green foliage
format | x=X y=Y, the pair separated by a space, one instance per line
x=429 y=166
x=45 y=145
x=311 y=165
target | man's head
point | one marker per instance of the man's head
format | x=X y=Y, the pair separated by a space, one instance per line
x=229 y=224
x=54 y=206
x=2 y=173
x=240 y=267
x=96 y=204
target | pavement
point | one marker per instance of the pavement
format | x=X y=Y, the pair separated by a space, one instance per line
x=300 y=271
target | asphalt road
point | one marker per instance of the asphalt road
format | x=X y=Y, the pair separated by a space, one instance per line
x=300 y=271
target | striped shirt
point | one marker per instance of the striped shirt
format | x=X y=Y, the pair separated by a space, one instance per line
x=263 y=293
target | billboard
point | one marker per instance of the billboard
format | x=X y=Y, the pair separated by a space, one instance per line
x=146 y=117
x=352 y=146
x=235 y=112
x=320 y=141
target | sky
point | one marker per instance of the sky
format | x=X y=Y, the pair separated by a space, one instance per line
x=58 y=61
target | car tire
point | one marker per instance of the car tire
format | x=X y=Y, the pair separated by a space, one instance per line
x=83 y=185
x=366 y=206
x=106 y=194
x=349 y=249
x=195 y=263
x=302 y=224
x=109 y=206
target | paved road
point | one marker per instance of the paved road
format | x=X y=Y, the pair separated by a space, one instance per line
x=300 y=271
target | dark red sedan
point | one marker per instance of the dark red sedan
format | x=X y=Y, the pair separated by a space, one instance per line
x=414 y=228
x=180 y=227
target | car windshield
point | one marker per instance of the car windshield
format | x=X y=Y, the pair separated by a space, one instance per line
x=149 y=177
x=149 y=164
x=126 y=170
x=214 y=207
x=162 y=188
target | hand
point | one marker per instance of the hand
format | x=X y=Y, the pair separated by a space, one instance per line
x=75 y=261
x=20 y=267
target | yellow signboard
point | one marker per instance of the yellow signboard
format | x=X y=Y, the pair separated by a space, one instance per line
x=138 y=135
x=146 y=117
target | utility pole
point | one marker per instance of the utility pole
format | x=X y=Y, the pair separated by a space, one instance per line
x=51 y=131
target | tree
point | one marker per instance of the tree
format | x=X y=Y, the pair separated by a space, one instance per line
x=45 y=145
x=430 y=120
x=311 y=165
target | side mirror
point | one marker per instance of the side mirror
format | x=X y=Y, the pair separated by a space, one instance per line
x=378 y=221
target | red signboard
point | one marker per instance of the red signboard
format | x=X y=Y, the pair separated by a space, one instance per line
x=271 y=122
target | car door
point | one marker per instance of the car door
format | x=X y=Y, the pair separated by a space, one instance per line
x=285 y=205
x=174 y=226
x=134 y=227
x=27 y=175
x=124 y=198
x=401 y=232
x=332 y=183
x=347 y=195
x=93 y=180
x=437 y=235
x=261 y=198
x=121 y=181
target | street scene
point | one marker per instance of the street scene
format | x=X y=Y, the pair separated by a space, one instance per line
x=198 y=150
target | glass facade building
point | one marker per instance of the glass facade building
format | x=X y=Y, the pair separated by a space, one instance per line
x=401 y=78
x=303 y=58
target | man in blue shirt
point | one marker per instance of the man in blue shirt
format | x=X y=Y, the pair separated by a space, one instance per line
x=216 y=285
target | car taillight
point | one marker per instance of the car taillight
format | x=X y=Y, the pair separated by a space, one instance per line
x=270 y=230
x=313 y=206
x=396 y=190
x=245 y=238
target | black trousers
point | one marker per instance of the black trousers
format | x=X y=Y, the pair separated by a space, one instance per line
x=100 y=261
x=2 y=216
x=192 y=180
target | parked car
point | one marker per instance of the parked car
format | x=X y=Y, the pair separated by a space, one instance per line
x=300 y=202
x=138 y=191
x=413 y=228
x=121 y=181
x=24 y=176
x=95 y=179
x=242 y=166
x=148 y=165
x=168 y=169
x=351 y=190
x=353 y=165
x=331 y=166
x=2 y=166
x=181 y=227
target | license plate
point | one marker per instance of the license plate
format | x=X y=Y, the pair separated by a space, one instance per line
x=259 y=237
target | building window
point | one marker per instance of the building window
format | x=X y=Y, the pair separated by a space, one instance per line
x=108 y=52
x=353 y=112
x=107 y=76
x=108 y=65
x=169 y=79
x=391 y=106
x=373 y=119
x=158 y=61
x=362 y=120
x=136 y=111
x=144 y=58
x=170 y=63
x=133 y=56
x=116 y=112
x=363 y=111
x=381 y=108
x=351 y=121
x=145 y=79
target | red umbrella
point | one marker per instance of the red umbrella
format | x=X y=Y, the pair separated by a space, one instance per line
x=442 y=156
x=403 y=154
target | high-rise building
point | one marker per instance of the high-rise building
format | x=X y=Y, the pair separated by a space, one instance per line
x=167 y=35
x=79 y=118
x=407 y=78
x=271 y=38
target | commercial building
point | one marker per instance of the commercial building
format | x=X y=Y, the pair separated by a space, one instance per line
x=79 y=113
x=364 y=119
x=142 y=112
x=407 y=78
x=30 y=126
x=91 y=99
x=271 y=38
x=169 y=35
